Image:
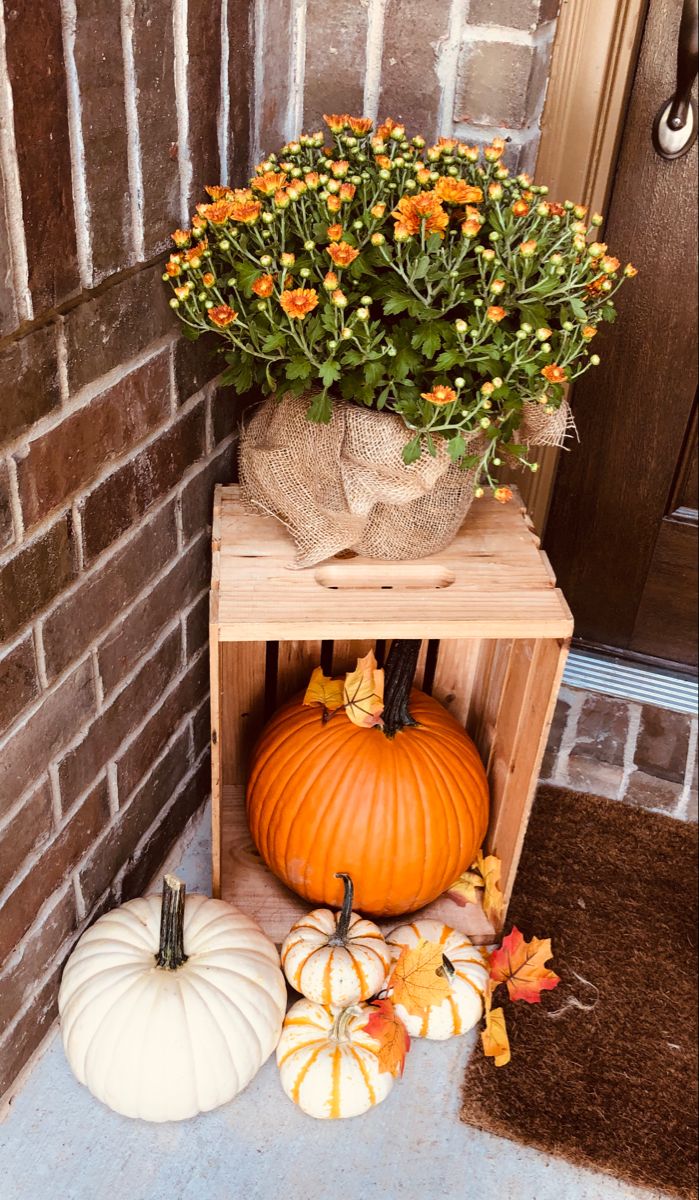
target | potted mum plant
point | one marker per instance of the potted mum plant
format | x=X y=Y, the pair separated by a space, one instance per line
x=413 y=313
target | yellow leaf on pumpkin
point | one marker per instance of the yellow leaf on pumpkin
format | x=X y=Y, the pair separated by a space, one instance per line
x=363 y=692
x=467 y=889
x=481 y=883
x=324 y=691
x=419 y=979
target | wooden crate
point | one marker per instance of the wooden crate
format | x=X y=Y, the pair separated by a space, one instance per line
x=495 y=633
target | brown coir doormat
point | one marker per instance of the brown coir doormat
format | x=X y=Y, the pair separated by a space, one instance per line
x=614 y=1088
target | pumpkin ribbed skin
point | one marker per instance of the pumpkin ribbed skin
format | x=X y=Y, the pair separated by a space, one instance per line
x=463 y=1007
x=404 y=816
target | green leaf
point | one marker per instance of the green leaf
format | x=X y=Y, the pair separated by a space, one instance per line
x=190 y=334
x=456 y=447
x=299 y=368
x=373 y=372
x=421 y=267
x=427 y=338
x=578 y=308
x=320 y=410
x=274 y=341
x=448 y=359
x=412 y=450
x=329 y=373
x=395 y=304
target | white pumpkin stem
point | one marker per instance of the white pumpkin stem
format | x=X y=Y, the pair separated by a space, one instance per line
x=447 y=969
x=342 y=922
x=338 y=1031
x=171 y=953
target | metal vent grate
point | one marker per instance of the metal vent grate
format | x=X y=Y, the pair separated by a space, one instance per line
x=630 y=681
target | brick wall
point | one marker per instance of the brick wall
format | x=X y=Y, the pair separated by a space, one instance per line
x=465 y=68
x=112 y=434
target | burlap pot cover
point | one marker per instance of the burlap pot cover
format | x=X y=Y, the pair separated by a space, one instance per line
x=344 y=485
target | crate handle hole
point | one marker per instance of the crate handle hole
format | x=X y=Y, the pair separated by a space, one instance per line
x=381 y=577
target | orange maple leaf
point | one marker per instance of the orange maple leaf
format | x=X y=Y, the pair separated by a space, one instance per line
x=363 y=692
x=386 y=1027
x=419 y=978
x=520 y=965
x=323 y=691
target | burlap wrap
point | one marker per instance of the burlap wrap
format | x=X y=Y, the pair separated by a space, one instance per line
x=344 y=485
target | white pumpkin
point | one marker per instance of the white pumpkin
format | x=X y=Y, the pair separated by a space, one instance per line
x=328 y=1063
x=336 y=959
x=466 y=968
x=169 y=1009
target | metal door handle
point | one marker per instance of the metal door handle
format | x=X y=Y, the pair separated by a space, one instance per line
x=675 y=126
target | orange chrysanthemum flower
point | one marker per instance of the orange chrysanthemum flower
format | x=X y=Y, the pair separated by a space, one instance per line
x=335 y=233
x=457 y=191
x=219 y=212
x=413 y=210
x=173 y=269
x=336 y=122
x=195 y=252
x=503 y=494
x=554 y=373
x=312 y=179
x=495 y=150
x=340 y=168
x=182 y=292
x=269 y=182
x=440 y=395
x=554 y=210
x=630 y=271
x=520 y=208
x=218 y=192
x=610 y=265
x=596 y=286
x=331 y=281
x=246 y=211
x=181 y=237
x=423 y=176
x=588 y=332
x=342 y=253
x=223 y=316
x=347 y=191
x=387 y=127
x=299 y=302
x=208 y=279
x=495 y=313
x=360 y=125
x=378 y=211
x=471 y=227
x=383 y=161
x=447 y=144
x=528 y=248
x=263 y=286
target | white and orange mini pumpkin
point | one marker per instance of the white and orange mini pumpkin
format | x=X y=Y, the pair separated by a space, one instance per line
x=466 y=968
x=336 y=958
x=328 y=1063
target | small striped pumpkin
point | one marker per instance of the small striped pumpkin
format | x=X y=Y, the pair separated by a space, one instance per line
x=467 y=968
x=336 y=959
x=328 y=1063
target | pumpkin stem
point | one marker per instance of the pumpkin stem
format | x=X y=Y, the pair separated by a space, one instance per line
x=343 y=919
x=171 y=953
x=338 y=1031
x=447 y=969
x=398 y=680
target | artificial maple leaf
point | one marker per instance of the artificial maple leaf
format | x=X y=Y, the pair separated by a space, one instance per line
x=496 y=1044
x=481 y=883
x=363 y=692
x=386 y=1027
x=419 y=979
x=324 y=691
x=520 y=965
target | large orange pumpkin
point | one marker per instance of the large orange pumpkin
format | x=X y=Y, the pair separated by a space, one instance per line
x=403 y=809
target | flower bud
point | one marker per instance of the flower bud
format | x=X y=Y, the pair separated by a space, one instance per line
x=365 y=300
x=345 y=333
x=265 y=261
x=485 y=422
x=339 y=299
x=174 y=303
x=460 y=326
x=545 y=347
x=332 y=344
x=478 y=492
x=595 y=360
x=460 y=381
x=267 y=218
x=597 y=219
x=309 y=245
x=287 y=260
x=224 y=244
x=304 y=272
x=377 y=239
x=362 y=314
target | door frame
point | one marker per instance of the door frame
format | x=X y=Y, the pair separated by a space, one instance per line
x=592 y=67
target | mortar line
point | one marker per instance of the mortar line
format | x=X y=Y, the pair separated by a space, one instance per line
x=133 y=136
x=14 y=209
x=224 y=109
x=682 y=810
x=181 y=43
x=81 y=202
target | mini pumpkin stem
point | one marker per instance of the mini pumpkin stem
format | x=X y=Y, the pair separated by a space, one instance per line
x=447 y=969
x=343 y=920
x=171 y=953
x=338 y=1031
x=398 y=680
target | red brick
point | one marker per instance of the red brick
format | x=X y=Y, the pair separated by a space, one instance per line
x=26 y=1035
x=30 y=827
x=19 y=684
x=59 y=858
x=36 y=574
x=663 y=743
x=647 y=791
x=160 y=840
x=274 y=86
x=122 y=647
x=28 y=753
x=512 y=14
x=103 y=595
x=123 y=498
x=145 y=748
x=198 y=493
x=8 y=307
x=196 y=363
x=240 y=88
x=410 y=86
x=39 y=949
x=204 y=87
x=591 y=775
x=157 y=121
x=104 y=737
x=335 y=60
x=560 y=719
x=226 y=410
x=115 y=325
x=603 y=727
x=29 y=374
x=66 y=458
x=7 y=532
x=100 y=71
x=197 y=626
x=500 y=83
x=120 y=841
x=35 y=66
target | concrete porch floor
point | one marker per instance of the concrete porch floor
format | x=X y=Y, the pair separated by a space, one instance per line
x=58 y=1143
